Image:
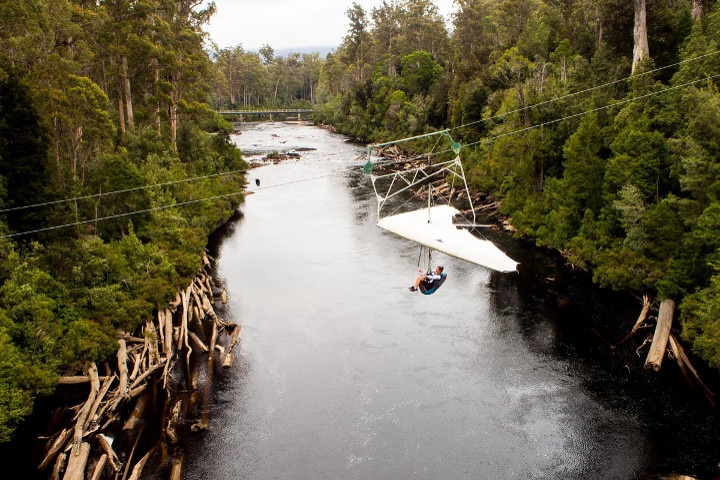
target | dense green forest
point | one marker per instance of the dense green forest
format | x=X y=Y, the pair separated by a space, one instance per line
x=113 y=171
x=596 y=122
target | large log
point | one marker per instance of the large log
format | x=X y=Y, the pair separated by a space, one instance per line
x=76 y=462
x=55 y=448
x=122 y=366
x=228 y=358
x=94 y=416
x=99 y=467
x=111 y=455
x=76 y=379
x=85 y=411
x=662 y=333
x=640 y=320
x=686 y=365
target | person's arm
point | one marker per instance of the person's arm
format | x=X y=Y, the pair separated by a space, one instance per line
x=432 y=277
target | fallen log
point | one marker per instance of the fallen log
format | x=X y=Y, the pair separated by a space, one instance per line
x=59 y=466
x=99 y=467
x=137 y=413
x=55 y=448
x=151 y=342
x=140 y=465
x=132 y=451
x=122 y=366
x=137 y=363
x=198 y=342
x=109 y=452
x=77 y=462
x=146 y=374
x=176 y=471
x=660 y=338
x=76 y=379
x=130 y=338
x=168 y=333
x=686 y=366
x=640 y=320
x=228 y=358
x=85 y=411
x=93 y=416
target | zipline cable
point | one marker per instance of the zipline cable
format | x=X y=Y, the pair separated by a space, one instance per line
x=115 y=192
x=147 y=210
x=587 y=90
x=593 y=110
x=134 y=189
x=557 y=120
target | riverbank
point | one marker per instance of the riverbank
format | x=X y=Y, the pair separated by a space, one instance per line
x=131 y=412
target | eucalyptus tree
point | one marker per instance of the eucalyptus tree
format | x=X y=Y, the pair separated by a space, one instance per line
x=354 y=49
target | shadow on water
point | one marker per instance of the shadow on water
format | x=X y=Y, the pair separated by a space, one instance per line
x=560 y=312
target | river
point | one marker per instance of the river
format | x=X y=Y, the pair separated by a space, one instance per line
x=342 y=373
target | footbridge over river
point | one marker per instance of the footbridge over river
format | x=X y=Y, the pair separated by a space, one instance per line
x=283 y=113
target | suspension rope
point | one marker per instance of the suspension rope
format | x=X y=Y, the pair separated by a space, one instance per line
x=455 y=147
x=574 y=115
x=143 y=187
x=587 y=90
x=115 y=192
x=152 y=209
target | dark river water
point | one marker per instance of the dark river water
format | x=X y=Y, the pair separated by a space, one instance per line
x=342 y=373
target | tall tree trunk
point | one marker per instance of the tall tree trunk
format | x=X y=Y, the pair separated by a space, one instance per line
x=174 y=100
x=174 y=124
x=121 y=113
x=158 y=124
x=698 y=9
x=128 y=94
x=641 y=48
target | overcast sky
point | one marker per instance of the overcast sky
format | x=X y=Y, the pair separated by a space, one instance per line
x=284 y=24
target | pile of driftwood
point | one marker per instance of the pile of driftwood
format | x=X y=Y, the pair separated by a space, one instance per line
x=159 y=384
x=663 y=337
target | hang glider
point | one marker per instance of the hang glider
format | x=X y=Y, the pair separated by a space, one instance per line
x=433 y=226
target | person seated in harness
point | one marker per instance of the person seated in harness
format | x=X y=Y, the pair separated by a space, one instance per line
x=429 y=282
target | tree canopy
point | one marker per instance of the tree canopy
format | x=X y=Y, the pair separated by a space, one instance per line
x=105 y=125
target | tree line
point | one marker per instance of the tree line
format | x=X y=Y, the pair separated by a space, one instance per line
x=262 y=79
x=105 y=125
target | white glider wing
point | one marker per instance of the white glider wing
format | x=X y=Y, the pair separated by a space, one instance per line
x=434 y=228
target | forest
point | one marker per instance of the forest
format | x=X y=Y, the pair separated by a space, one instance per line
x=113 y=171
x=595 y=123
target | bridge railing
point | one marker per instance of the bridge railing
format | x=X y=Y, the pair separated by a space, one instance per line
x=277 y=111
